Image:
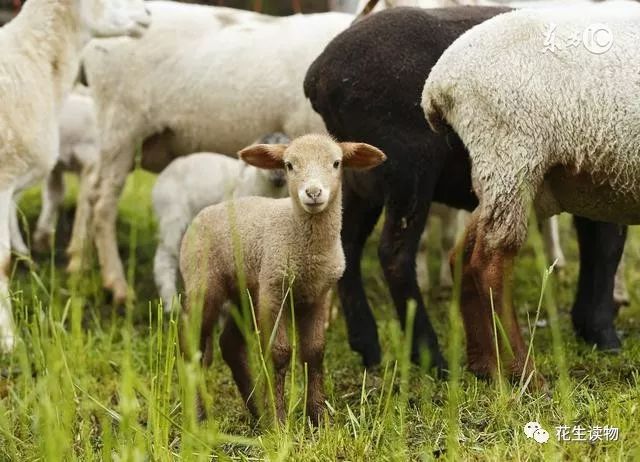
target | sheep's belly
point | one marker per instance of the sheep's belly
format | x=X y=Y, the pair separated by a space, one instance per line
x=602 y=199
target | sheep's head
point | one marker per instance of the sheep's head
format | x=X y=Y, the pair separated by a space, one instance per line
x=113 y=18
x=313 y=164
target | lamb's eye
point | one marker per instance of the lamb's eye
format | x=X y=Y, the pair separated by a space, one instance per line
x=336 y=164
x=288 y=166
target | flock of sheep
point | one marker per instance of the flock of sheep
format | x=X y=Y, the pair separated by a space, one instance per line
x=462 y=106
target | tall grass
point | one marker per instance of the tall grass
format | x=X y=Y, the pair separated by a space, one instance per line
x=88 y=383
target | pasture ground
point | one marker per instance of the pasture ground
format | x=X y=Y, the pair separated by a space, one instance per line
x=90 y=383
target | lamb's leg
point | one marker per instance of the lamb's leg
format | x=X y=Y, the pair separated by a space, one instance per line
x=594 y=311
x=7 y=329
x=487 y=273
x=422 y=260
x=115 y=163
x=206 y=305
x=397 y=252
x=620 y=291
x=310 y=323
x=234 y=353
x=280 y=352
x=450 y=228
x=52 y=197
x=359 y=220
x=165 y=272
x=79 y=242
x=17 y=242
x=551 y=235
x=173 y=216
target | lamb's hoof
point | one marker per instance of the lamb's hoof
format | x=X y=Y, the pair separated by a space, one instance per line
x=42 y=241
x=119 y=292
x=621 y=298
x=605 y=340
x=75 y=265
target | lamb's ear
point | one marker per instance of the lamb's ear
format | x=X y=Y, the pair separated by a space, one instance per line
x=267 y=156
x=361 y=155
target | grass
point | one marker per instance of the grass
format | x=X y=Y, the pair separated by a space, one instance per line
x=90 y=383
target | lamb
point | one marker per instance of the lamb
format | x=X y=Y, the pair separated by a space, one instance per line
x=213 y=51
x=553 y=127
x=284 y=243
x=38 y=65
x=191 y=183
x=79 y=153
x=377 y=101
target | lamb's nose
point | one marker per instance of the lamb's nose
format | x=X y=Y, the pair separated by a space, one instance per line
x=313 y=192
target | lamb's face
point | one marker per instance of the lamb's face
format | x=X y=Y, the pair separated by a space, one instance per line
x=313 y=164
x=314 y=172
x=113 y=18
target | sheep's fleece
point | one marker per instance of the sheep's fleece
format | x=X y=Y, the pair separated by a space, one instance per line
x=558 y=125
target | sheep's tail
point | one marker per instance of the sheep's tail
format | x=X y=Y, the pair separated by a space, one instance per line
x=435 y=106
x=368 y=8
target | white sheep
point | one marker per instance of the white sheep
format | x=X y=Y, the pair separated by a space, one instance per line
x=285 y=243
x=191 y=183
x=79 y=153
x=546 y=101
x=235 y=76
x=38 y=64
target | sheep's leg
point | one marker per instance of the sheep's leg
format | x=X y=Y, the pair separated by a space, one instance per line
x=205 y=304
x=601 y=246
x=17 y=242
x=620 y=291
x=174 y=219
x=397 y=252
x=115 y=163
x=52 y=197
x=274 y=327
x=422 y=260
x=551 y=235
x=234 y=353
x=310 y=322
x=165 y=273
x=79 y=242
x=7 y=329
x=450 y=227
x=359 y=220
x=487 y=274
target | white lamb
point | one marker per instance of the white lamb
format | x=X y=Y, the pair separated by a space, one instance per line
x=284 y=243
x=235 y=75
x=191 y=183
x=550 y=114
x=38 y=64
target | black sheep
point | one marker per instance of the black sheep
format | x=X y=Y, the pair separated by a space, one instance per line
x=367 y=86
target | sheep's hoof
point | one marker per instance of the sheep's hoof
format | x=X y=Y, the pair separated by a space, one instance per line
x=42 y=241
x=621 y=298
x=119 y=291
x=605 y=340
x=75 y=265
